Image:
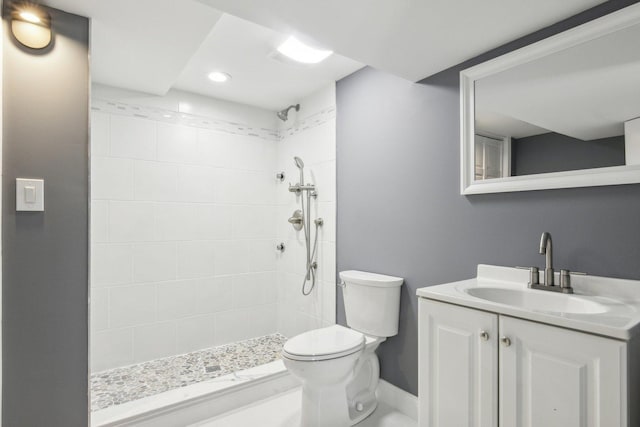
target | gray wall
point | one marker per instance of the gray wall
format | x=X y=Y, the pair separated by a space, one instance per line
x=400 y=211
x=44 y=264
x=554 y=152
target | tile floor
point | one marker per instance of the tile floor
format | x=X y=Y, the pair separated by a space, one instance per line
x=283 y=411
x=121 y=385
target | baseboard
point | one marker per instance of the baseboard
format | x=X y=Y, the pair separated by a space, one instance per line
x=398 y=399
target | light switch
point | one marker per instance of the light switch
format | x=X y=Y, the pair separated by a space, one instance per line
x=29 y=194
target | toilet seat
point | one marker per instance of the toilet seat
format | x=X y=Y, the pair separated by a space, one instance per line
x=324 y=344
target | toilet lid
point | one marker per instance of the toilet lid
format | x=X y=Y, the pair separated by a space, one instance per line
x=322 y=344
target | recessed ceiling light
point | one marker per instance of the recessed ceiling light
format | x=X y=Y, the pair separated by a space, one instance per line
x=219 y=77
x=298 y=51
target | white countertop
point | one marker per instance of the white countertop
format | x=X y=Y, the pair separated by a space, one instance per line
x=620 y=297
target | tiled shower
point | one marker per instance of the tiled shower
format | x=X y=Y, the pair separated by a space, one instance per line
x=186 y=214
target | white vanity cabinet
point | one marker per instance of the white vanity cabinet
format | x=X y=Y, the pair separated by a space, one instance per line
x=483 y=369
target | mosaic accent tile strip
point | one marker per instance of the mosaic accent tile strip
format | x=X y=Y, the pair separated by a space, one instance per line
x=121 y=385
x=317 y=119
x=167 y=116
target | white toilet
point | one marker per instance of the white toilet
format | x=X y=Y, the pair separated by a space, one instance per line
x=338 y=366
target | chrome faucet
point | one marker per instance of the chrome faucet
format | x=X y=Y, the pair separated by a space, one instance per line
x=546 y=248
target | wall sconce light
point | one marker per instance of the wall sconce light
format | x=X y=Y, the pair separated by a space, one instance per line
x=31 y=25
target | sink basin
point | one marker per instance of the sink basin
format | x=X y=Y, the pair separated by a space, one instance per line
x=538 y=300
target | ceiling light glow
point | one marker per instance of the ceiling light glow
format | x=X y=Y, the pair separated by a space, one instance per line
x=219 y=77
x=298 y=51
x=30 y=17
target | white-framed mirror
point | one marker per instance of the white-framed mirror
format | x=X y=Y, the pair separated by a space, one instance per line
x=563 y=112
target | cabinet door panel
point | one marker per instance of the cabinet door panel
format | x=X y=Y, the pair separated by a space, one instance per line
x=554 y=377
x=458 y=369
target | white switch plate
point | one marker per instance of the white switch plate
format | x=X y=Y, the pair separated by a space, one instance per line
x=29 y=194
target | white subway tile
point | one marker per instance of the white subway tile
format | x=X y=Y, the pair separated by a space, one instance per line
x=264 y=320
x=325 y=179
x=111 y=349
x=231 y=326
x=327 y=261
x=133 y=137
x=262 y=255
x=99 y=309
x=99 y=221
x=269 y=287
x=328 y=295
x=176 y=299
x=175 y=221
x=245 y=291
x=131 y=305
x=130 y=221
x=154 y=262
x=204 y=243
x=215 y=148
x=231 y=257
x=154 y=341
x=177 y=143
x=214 y=294
x=250 y=153
x=154 y=181
x=213 y=222
x=111 y=264
x=196 y=184
x=254 y=289
x=196 y=259
x=111 y=178
x=100 y=123
x=194 y=333
x=327 y=211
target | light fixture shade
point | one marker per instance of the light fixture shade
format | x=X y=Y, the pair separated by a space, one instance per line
x=31 y=25
x=300 y=52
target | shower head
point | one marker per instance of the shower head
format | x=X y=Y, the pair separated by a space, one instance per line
x=284 y=114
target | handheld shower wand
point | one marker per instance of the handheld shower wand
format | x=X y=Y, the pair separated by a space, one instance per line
x=304 y=218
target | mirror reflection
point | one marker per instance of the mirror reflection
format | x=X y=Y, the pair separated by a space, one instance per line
x=575 y=109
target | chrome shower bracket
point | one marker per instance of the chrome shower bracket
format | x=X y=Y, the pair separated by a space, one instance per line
x=280 y=176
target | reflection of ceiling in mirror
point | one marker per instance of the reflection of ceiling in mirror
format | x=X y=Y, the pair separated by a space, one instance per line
x=586 y=92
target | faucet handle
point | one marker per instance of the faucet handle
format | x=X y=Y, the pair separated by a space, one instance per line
x=565 y=277
x=533 y=275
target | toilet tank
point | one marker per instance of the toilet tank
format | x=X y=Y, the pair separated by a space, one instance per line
x=372 y=302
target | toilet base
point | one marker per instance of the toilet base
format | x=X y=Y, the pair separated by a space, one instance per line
x=315 y=404
x=339 y=392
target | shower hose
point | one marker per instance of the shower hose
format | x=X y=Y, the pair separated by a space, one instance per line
x=311 y=265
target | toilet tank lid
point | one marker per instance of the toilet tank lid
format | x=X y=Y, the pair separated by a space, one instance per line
x=371 y=279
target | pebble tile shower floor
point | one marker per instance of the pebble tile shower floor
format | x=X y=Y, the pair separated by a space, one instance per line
x=120 y=385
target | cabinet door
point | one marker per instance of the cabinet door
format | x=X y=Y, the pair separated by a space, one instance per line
x=458 y=367
x=554 y=377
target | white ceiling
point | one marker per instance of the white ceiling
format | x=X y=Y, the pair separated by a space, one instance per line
x=586 y=92
x=142 y=45
x=245 y=50
x=410 y=38
x=152 y=46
